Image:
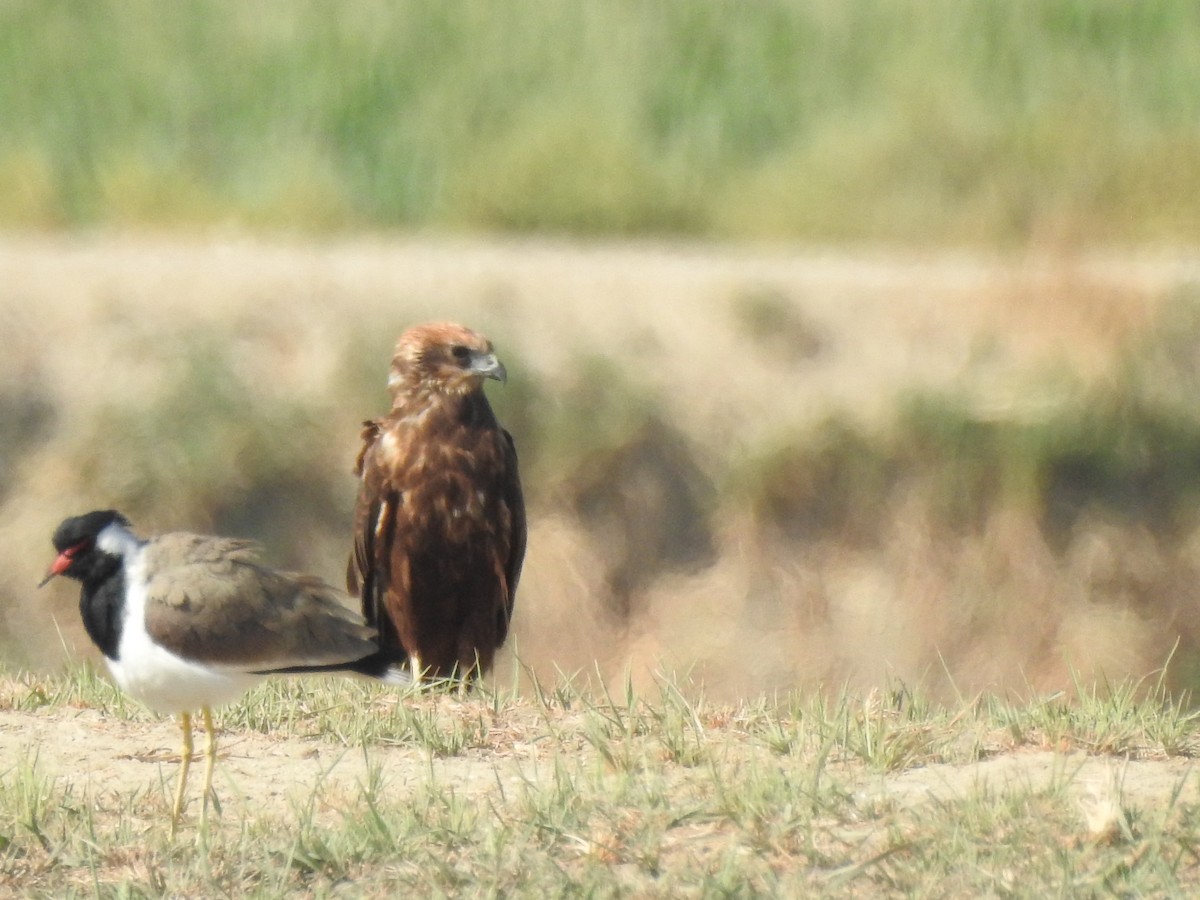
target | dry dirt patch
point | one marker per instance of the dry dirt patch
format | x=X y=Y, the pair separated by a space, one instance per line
x=108 y=761
x=1136 y=782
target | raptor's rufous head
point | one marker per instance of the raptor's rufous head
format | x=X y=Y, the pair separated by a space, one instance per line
x=443 y=357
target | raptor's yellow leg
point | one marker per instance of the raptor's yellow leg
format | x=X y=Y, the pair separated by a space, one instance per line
x=418 y=673
x=185 y=762
x=467 y=679
x=210 y=759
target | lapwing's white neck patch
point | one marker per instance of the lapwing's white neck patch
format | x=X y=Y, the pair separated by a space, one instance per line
x=117 y=540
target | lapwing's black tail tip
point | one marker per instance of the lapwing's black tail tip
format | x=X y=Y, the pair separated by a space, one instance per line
x=386 y=670
x=380 y=666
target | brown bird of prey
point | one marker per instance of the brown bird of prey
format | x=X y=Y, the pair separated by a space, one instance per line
x=187 y=622
x=440 y=520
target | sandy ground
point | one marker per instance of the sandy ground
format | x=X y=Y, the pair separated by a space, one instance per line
x=110 y=763
x=118 y=765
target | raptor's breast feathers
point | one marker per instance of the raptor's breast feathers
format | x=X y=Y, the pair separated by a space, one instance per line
x=440 y=521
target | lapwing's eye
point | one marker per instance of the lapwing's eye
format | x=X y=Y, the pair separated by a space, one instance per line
x=461 y=353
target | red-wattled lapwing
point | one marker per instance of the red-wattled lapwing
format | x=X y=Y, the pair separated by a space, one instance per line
x=188 y=622
x=440 y=520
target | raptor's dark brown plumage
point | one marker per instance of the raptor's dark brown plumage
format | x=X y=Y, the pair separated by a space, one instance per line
x=440 y=520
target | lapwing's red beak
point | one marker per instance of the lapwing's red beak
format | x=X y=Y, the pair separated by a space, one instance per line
x=57 y=567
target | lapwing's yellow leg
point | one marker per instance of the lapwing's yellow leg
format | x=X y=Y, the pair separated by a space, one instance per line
x=210 y=759
x=185 y=762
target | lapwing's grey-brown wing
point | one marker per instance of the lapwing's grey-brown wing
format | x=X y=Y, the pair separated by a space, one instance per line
x=209 y=600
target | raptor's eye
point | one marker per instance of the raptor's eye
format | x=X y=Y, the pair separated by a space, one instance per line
x=461 y=353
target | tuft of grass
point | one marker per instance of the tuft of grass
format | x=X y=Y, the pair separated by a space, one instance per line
x=82 y=686
x=1131 y=719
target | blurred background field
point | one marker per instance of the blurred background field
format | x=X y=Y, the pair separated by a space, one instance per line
x=939 y=121
x=849 y=341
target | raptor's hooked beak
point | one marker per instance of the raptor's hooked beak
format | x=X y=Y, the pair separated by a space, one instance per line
x=56 y=568
x=489 y=367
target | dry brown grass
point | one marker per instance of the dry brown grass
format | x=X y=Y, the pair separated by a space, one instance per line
x=99 y=328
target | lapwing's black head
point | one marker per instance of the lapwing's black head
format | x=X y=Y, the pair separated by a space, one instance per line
x=76 y=538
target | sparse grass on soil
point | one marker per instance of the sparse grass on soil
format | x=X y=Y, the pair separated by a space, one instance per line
x=339 y=788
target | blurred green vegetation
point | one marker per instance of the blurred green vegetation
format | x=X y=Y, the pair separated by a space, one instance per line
x=944 y=120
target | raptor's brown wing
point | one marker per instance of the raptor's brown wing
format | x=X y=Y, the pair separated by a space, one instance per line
x=368 y=572
x=515 y=501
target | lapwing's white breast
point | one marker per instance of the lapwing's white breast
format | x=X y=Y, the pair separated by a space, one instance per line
x=165 y=681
